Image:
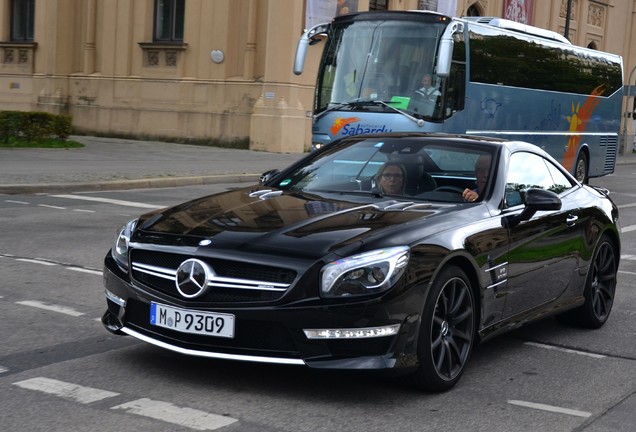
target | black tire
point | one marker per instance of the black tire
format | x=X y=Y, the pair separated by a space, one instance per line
x=447 y=332
x=600 y=288
x=581 y=167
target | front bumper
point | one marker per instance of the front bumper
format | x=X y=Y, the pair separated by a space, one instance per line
x=274 y=334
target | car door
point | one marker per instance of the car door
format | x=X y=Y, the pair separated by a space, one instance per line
x=544 y=251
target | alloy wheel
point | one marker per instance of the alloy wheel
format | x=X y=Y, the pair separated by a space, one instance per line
x=452 y=329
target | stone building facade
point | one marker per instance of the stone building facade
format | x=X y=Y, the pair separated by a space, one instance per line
x=216 y=71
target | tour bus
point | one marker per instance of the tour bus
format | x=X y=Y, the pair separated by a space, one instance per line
x=490 y=77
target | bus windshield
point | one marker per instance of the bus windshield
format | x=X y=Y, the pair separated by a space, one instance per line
x=379 y=60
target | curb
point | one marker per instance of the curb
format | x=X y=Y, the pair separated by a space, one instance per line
x=145 y=183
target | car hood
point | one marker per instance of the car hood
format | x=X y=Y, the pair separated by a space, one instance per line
x=307 y=225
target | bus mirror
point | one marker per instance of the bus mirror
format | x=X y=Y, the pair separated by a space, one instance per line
x=445 y=52
x=310 y=37
x=301 y=53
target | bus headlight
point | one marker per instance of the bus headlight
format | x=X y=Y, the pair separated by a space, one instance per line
x=367 y=273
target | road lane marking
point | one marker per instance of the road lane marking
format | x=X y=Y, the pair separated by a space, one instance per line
x=51 y=307
x=52 y=206
x=84 y=211
x=565 y=350
x=626 y=272
x=17 y=202
x=83 y=270
x=550 y=408
x=165 y=411
x=628 y=228
x=3 y=369
x=69 y=391
x=46 y=262
x=36 y=261
x=109 y=201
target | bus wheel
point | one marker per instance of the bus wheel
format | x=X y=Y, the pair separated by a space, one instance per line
x=580 y=170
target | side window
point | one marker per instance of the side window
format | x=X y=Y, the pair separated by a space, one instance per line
x=528 y=171
x=169 y=16
x=22 y=20
x=560 y=183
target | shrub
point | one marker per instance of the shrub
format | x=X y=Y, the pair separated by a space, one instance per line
x=33 y=126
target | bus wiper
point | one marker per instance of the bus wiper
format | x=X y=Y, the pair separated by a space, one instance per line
x=417 y=121
x=359 y=102
x=332 y=108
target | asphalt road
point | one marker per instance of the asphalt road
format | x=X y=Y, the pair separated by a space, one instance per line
x=61 y=371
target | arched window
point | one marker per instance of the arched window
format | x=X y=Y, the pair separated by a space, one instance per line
x=474 y=10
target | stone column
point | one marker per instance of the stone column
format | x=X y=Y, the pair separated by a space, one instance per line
x=278 y=121
x=89 y=38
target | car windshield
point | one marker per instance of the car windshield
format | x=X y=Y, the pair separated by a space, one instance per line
x=390 y=166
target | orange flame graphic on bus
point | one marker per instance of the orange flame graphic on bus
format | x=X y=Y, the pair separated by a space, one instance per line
x=339 y=123
x=578 y=123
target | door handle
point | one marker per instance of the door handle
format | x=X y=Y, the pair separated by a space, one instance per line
x=571 y=220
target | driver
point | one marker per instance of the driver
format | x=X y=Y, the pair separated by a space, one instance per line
x=482 y=167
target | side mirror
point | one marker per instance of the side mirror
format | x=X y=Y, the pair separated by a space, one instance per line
x=445 y=51
x=535 y=200
x=267 y=176
x=310 y=37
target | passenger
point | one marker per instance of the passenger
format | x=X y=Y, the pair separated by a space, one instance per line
x=391 y=178
x=482 y=168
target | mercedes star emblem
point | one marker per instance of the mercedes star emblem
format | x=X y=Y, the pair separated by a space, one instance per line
x=192 y=278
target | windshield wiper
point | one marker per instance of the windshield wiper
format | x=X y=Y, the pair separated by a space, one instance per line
x=360 y=102
x=354 y=103
x=333 y=108
x=417 y=121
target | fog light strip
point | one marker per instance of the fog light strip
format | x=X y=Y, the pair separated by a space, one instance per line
x=354 y=333
x=208 y=354
x=115 y=299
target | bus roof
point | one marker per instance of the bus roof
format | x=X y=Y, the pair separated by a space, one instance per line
x=519 y=27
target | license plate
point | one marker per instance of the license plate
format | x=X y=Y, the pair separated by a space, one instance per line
x=189 y=321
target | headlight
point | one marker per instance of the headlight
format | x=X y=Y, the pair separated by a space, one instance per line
x=119 y=251
x=368 y=273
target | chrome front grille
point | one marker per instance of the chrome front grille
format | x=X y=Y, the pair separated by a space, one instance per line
x=232 y=281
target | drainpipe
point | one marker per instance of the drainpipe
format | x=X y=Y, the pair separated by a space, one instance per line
x=568 y=14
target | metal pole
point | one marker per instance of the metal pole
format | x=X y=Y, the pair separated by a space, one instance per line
x=568 y=14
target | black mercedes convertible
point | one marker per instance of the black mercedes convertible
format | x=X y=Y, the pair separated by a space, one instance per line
x=393 y=252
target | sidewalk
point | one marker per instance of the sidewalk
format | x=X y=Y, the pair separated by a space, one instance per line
x=115 y=164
